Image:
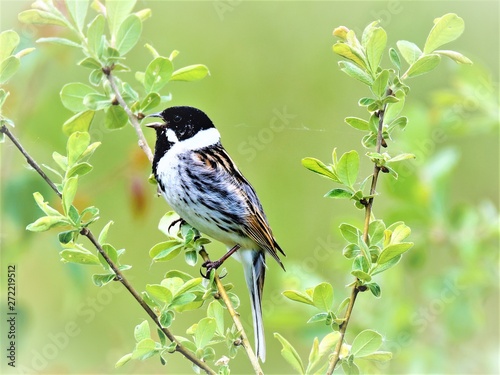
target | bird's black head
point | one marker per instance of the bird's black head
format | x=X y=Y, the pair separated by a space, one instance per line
x=184 y=121
x=181 y=125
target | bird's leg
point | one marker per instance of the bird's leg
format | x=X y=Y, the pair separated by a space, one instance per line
x=213 y=265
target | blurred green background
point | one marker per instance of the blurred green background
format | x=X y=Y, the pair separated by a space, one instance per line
x=439 y=311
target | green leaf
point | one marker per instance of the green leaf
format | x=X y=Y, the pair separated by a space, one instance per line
x=164 y=251
x=166 y=318
x=104 y=233
x=44 y=206
x=191 y=257
x=69 y=192
x=78 y=10
x=409 y=51
x=46 y=223
x=366 y=343
x=455 y=56
x=298 y=297
x=290 y=354
x=77 y=144
x=351 y=250
x=376 y=231
x=379 y=87
x=103 y=279
x=361 y=264
x=128 y=34
x=144 y=349
x=182 y=300
x=160 y=293
x=204 y=332
x=313 y=355
x=357 y=123
x=115 y=117
x=393 y=251
x=319 y=317
x=96 y=76
x=117 y=11
x=90 y=62
x=96 y=101
x=323 y=296
x=363 y=276
x=396 y=61
x=151 y=101
x=95 y=34
x=384 y=267
x=400 y=122
x=78 y=123
x=317 y=166
x=446 y=29
x=350 y=233
x=80 y=256
x=401 y=157
x=348 y=52
x=338 y=193
x=379 y=356
x=40 y=17
x=89 y=151
x=190 y=284
x=374 y=288
x=67 y=236
x=72 y=95
x=347 y=168
x=423 y=65
x=142 y=331
x=9 y=40
x=350 y=368
x=79 y=169
x=8 y=68
x=157 y=74
x=216 y=311
x=190 y=73
x=123 y=360
x=355 y=72
x=394 y=109
x=375 y=46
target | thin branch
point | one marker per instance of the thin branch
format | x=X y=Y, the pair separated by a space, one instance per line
x=236 y=319
x=30 y=161
x=133 y=118
x=119 y=275
x=368 y=213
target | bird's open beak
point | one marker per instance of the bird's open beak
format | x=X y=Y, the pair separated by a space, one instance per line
x=156 y=125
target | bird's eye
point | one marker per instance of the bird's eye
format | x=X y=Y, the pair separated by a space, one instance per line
x=177 y=118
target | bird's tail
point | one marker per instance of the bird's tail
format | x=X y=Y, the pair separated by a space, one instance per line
x=254 y=265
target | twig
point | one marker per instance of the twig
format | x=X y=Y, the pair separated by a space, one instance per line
x=133 y=118
x=30 y=161
x=236 y=319
x=368 y=213
x=119 y=275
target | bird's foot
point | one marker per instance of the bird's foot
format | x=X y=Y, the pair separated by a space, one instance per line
x=210 y=266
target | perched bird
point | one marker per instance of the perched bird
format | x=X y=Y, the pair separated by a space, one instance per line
x=203 y=185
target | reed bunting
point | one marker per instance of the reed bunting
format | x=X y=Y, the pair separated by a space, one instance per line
x=203 y=185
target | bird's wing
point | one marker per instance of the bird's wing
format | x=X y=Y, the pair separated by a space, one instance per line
x=221 y=176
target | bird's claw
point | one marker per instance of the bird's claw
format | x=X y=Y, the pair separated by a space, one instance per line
x=179 y=220
x=210 y=266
